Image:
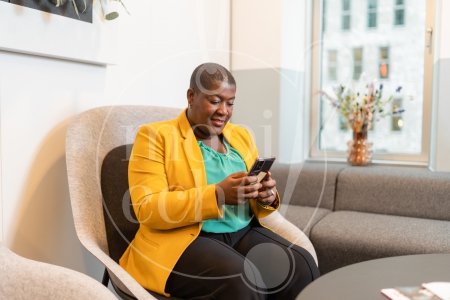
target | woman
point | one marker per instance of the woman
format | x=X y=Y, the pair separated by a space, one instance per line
x=199 y=235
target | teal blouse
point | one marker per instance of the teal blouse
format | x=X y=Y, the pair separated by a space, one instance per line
x=218 y=166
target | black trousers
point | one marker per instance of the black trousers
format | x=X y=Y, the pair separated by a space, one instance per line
x=252 y=263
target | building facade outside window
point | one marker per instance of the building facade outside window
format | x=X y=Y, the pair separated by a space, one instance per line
x=399 y=12
x=389 y=57
x=346 y=15
x=372 y=15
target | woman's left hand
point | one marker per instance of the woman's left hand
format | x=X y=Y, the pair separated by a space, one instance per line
x=268 y=192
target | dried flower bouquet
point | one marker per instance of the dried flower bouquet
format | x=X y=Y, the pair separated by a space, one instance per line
x=360 y=106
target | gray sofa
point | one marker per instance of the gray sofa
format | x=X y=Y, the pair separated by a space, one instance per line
x=353 y=214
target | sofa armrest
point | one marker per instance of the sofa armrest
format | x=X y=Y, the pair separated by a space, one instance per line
x=289 y=231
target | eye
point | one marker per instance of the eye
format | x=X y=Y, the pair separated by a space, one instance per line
x=214 y=102
x=230 y=103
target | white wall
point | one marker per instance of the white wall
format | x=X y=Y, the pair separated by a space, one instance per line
x=159 y=46
x=255 y=38
x=443 y=10
x=440 y=127
x=268 y=43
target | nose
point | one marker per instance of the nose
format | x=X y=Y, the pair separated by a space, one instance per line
x=223 y=109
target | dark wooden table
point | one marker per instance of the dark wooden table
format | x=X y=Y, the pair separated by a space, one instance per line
x=366 y=279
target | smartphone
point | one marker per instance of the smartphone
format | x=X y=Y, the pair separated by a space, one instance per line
x=261 y=166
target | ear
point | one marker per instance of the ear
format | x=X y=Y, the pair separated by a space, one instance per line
x=190 y=96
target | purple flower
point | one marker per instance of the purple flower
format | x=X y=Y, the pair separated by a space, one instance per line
x=336 y=104
x=398 y=89
x=401 y=110
x=381 y=86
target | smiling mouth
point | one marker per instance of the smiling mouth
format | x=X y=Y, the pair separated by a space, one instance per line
x=218 y=122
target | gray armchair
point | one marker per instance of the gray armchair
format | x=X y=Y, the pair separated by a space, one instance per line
x=22 y=278
x=108 y=132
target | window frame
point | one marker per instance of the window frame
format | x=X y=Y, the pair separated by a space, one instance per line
x=332 y=64
x=359 y=63
x=399 y=102
x=386 y=61
x=372 y=11
x=399 y=7
x=346 y=13
x=421 y=159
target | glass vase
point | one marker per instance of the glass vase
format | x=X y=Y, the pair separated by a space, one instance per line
x=359 y=150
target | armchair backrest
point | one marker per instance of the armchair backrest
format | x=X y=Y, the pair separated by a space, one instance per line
x=120 y=219
x=90 y=137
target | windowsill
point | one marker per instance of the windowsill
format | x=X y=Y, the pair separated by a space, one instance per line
x=375 y=162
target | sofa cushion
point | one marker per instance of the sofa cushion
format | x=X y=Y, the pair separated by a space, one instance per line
x=343 y=238
x=408 y=192
x=304 y=217
x=308 y=184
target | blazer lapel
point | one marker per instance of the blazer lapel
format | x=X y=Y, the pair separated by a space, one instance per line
x=192 y=151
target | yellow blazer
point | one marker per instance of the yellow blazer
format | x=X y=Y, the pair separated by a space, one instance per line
x=170 y=197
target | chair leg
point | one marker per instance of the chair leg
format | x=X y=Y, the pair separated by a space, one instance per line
x=105 y=280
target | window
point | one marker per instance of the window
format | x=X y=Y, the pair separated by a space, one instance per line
x=397 y=120
x=345 y=22
x=324 y=12
x=372 y=13
x=343 y=124
x=384 y=62
x=399 y=12
x=385 y=57
x=357 y=63
x=332 y=64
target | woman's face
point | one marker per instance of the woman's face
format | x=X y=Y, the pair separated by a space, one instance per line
x=212 y=111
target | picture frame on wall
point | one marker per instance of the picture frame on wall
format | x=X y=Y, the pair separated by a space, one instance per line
x=31 y=31
x=66 y=8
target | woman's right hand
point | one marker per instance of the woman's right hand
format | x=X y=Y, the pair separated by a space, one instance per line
x=237 y=188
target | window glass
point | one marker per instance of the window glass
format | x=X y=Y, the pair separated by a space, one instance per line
x=345 y=22
x=372 y=13
x=332 y=64
x=384 y=62
x=399 y=12
x=346 y=5
x=393 y=58
x=357 y=63
x=343 y=124
x=397 y=120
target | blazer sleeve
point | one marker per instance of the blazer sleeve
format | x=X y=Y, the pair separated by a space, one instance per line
x=156 y=204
